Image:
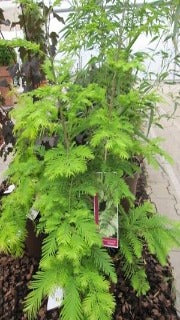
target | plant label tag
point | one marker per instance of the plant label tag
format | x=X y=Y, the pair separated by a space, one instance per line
x=10 y=189
x=108 y=227
x=32 y=214
x=55 y=300
x=106 y=215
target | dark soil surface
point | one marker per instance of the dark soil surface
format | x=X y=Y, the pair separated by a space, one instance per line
x=15 y=275
x=158 y=304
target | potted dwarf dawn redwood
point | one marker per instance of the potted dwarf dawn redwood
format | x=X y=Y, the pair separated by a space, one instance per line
x=7 y=58
x=94 y=132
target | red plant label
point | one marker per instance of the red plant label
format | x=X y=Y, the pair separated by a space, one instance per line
x=106 y=217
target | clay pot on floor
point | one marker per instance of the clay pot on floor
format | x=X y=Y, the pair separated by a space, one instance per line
x=43 y=83
x=6 y=78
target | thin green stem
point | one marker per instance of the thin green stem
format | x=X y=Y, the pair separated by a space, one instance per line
x=60 y=110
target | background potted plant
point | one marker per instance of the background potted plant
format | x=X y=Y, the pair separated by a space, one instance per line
x=33 y=20
x=7 y=59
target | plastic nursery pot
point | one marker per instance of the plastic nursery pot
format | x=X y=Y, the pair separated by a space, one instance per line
x=132 y=183
x=6 y=79
x=43 y=83
x=33 y=242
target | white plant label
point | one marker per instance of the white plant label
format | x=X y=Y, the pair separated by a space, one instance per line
x=55 y=300
x=10 y=189
x=32 y=214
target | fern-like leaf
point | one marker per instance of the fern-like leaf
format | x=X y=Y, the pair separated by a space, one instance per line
x=72 y=307
x=49 y=246
x=139 y=282
x=60 y=163
x=98 y=306
x=103 y=261
x=40 y=286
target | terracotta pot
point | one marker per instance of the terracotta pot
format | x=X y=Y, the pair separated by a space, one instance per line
x=4 y=91
x=43 y=83
x=132 y=183
x=33 y=242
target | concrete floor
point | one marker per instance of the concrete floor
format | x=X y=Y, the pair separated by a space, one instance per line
x=164 y=187
x=4 y=167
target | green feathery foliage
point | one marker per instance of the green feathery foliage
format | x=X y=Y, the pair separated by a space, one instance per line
x=79 y=124
x=143 y=226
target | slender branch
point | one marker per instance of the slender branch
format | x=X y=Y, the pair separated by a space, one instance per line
x=131 y=43
x=113 y=90
x=27 y=38
x=60 y=111
x=70 y=193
